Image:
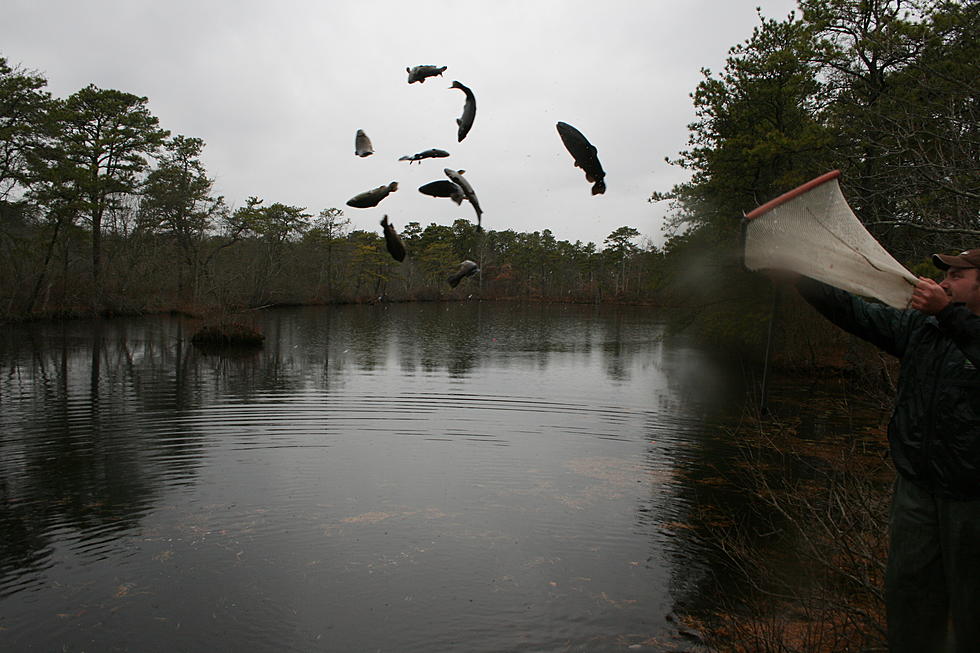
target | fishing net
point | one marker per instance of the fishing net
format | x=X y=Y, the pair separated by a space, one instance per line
x=811 y=230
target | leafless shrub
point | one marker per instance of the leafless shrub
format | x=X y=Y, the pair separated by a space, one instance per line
x=812 y=548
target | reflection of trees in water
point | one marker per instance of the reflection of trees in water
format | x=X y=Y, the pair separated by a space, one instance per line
x=24 y=545
x=79 y=446
x=303 y=345
x=100 y=417
x=617 y=367
x=686 y=442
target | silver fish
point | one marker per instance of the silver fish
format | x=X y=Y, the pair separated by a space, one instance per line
x=434 y=153
x=466 y=269
x=419 y=73
x=393 y=242
x=362 y=144
x=443 y=188
x=456 y=176
x=465 y=122
x=585 y=155
x=372 y=197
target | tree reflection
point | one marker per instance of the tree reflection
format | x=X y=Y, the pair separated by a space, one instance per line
x=77 y=449
x=102 y=417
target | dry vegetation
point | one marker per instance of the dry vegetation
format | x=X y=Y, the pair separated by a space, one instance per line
x=809 y=549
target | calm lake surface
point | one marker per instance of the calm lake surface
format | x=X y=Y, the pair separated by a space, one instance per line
x=413 y=477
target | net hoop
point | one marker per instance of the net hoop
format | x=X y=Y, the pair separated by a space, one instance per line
x=796 y=192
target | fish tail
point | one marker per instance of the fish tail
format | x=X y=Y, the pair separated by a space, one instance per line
x=599 y=188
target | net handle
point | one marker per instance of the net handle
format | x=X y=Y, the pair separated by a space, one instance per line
x=796 y=192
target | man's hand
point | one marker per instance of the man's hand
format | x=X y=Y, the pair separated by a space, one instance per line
x=929 y=297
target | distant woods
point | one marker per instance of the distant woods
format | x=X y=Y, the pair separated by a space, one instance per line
x=102 y=210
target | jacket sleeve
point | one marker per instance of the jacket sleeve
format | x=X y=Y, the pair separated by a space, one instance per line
x=881 y=325
x=963 y=328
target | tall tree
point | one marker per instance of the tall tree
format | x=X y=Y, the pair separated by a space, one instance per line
x=272 y=228
x=756 y=129
x=621 y=248
x=329 y=231
x=23 y=108
x=859 y=47
x=177 y=201
x=23 y=113
x=104 y=140
x=907 y=84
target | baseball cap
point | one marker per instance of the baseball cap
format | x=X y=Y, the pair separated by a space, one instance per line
x=968 y=259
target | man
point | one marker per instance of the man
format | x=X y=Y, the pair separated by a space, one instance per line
x=932 y=579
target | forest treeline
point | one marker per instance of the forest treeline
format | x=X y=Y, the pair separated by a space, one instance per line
x=102 y=209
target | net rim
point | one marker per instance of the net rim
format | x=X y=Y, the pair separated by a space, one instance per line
x=796 y=192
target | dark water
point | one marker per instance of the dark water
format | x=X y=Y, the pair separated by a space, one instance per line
x=465 y=477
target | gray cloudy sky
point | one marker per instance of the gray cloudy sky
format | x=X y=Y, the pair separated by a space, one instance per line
x=277 y=90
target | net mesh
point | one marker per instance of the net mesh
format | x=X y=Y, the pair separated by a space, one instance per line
x=811 y=230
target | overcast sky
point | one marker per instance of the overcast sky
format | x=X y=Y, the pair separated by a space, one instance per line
x=277 y=91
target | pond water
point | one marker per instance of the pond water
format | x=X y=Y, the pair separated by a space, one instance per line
x=401 y=477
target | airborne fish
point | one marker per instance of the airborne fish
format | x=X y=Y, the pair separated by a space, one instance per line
x=443 y=188
x=362 y=144
x=466 y=269
x=465 y=122
x=370 y=198
x=434 y=153
x=392 y=241
x=457 y=178
x=419 y=73
x=585 y=155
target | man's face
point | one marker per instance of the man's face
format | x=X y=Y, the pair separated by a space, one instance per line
x=963 y=285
